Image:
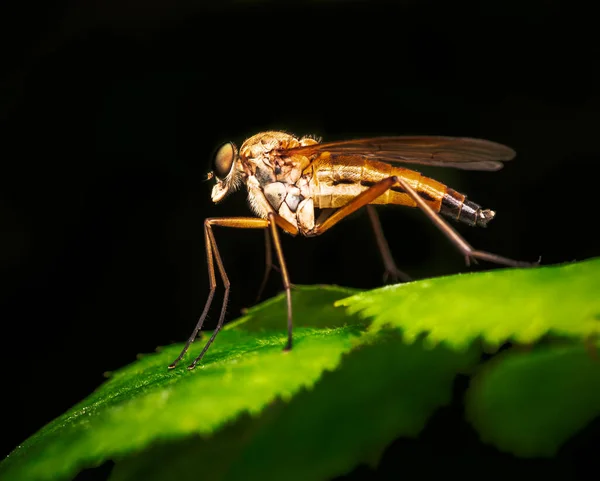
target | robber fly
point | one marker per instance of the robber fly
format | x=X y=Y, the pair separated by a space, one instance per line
x=304 y=186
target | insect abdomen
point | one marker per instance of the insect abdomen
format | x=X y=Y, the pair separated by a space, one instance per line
x=335 y=183
x=456 y=206
x=440 y=198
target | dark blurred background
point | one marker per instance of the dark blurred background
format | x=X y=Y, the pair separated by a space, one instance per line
x=110 y=112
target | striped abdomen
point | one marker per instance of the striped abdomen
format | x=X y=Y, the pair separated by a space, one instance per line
x=336 y=182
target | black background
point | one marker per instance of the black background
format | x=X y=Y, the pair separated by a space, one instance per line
x=111 y=110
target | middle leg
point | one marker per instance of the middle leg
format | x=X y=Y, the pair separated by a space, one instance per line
x=391 y=270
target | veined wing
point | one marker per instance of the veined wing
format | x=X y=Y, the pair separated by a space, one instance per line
x=458 y=152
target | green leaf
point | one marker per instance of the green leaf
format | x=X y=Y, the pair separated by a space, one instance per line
x=144 y=402
x=313 y=305
x=381 y=391
x=530 y=403
x=521 y=305
x=340 y=395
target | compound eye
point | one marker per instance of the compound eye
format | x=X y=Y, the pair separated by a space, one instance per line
x=223 y=160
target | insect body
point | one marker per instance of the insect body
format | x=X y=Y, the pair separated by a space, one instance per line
x=303 y=186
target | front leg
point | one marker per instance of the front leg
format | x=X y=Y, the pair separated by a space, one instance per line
x=213 y=255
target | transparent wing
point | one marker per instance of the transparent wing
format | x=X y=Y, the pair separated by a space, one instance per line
x=458 y=152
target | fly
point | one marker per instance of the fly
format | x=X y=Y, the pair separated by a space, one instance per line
x=304 y=186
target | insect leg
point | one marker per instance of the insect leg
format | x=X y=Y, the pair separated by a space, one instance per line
x=463 y=246
x=380 y=187
x=268 y=266
x=213 y=285
x=276 y=220
x=391 y=270
x=212 y=255
x=364 y=198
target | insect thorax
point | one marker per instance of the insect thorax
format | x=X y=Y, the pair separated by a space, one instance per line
x=282 y=180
